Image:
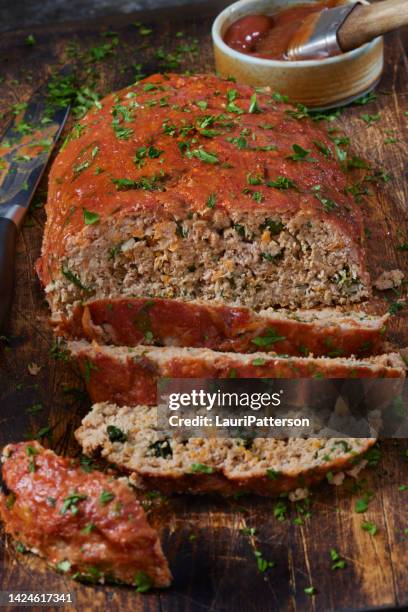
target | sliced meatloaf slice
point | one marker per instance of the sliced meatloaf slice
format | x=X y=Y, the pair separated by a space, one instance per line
x=127 y=375
x=203 y=465
x=86 y=524
x=193 y=187
x=160 y=322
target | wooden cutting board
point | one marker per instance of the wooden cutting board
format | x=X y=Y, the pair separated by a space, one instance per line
x=212 y=560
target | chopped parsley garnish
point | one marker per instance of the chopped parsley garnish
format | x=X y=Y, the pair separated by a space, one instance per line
x=272 y=474
x=278 y=97
x=356 y=162
x=232 y=95
x=258 y=196
x=31 y=452
x=86 y=464
x=74 y=279
x=253 y=105
x=143 y=582
x=255 y=179
x=70 y=502
x=78 y=168
x=63 y=566
x=20 y=548
x=275 y=227
x=281 y=182
x=90 y=217
x=88 y=367
x=143 y=152
x=239 y=141
x=88 y=528
x=115 y=434
x=145 y=183
x=161 y=448
x=328 y=204
x=322 y=148
x=300 y=154
x=11 y=500
x=211 y=201
x=204 y=156
x=259 y=361
x=91 y=576
x=106 y=497
x=201 y=468
x=270 y=337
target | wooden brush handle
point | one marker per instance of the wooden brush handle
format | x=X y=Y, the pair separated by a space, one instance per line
x=368 y=22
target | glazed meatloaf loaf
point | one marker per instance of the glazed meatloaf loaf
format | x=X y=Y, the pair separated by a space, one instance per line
x=202 y=465
x=126 y=375
x=163 y=322
x=197 y=188
x=86 y=524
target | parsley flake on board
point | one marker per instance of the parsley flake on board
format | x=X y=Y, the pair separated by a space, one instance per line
x=310 y=590
x=369 y=527
x=338 y=562
x=262 y=563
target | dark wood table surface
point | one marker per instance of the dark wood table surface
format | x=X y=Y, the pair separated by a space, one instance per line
x=212 y=560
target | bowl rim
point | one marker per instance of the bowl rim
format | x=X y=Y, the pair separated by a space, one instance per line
x=259 y=61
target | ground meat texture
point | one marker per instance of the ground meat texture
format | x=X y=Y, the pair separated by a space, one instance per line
x=228 y=466
x=199 y=188
x=85 y=524
x=126 y=375
x=389 y=280
x=160 y=322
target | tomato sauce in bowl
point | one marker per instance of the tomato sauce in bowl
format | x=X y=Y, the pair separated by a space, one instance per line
x=268 y=36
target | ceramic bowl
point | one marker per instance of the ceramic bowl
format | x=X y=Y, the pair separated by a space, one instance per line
x=316 y=83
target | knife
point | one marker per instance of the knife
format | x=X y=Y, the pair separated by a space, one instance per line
x=25 y=149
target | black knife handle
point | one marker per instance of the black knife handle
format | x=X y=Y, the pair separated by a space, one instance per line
x=8 y=234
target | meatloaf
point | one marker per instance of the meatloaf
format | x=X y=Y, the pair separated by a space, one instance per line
x=197 y=188
x=84 y=523
x=162 y=322
x=126 y=375
x=202 y=465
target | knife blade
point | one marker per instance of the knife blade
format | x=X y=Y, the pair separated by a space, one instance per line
x=25 y=149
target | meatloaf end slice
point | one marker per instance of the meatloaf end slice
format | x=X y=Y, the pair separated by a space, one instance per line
x=161 y=322
x=204 y=465
x=127 y=375
x=88 y=525
x=190 y=187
